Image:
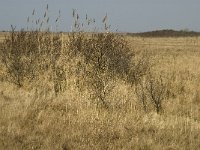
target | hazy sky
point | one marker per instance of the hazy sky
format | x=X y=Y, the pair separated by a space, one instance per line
x=124 y=15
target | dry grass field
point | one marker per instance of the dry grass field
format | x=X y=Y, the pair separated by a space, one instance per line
x=36 y=116
x=2 y=36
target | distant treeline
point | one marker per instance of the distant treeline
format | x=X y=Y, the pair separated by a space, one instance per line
x=156 y=33
x=166 y=33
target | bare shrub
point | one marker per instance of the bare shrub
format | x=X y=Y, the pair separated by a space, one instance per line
x=27 y=55
x=140 y=67
x=107 y=55
x=17 y=56
x=152 y=90
x=157 y=91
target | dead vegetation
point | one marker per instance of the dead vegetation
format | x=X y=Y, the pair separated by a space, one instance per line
x=97 y=91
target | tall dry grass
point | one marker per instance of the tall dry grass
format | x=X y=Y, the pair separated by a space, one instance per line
x=98 y=90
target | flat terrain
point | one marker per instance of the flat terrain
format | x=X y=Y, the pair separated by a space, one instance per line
x=2 y=36
x=33 y=119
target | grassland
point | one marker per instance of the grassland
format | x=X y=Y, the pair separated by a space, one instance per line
x=33 y=117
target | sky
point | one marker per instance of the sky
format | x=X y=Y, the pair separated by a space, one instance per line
x=123 y=15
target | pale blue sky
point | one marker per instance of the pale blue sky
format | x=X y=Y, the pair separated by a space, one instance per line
x=124 y=15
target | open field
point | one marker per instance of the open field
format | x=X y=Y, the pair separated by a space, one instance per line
x=34 y=116
x=2 y=36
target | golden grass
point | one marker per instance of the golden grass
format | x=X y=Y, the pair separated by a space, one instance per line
x=2 y=36
x=36 y=119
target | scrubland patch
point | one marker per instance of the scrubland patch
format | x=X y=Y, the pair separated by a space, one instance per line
x=98 y=91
